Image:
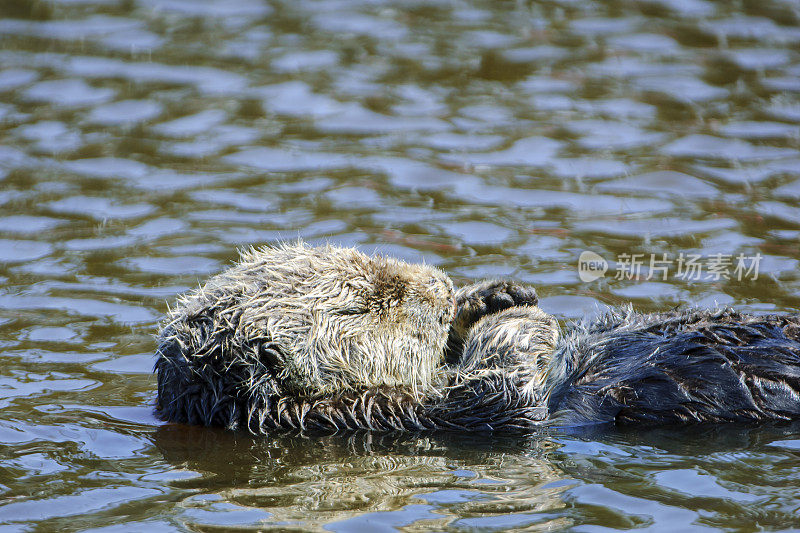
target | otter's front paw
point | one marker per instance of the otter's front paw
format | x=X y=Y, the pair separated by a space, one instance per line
x=487 y=297
x=519 y=343
x=475 y=301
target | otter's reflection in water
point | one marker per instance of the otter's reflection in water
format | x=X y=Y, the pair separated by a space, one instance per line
x=316 y=481
x=686 y=478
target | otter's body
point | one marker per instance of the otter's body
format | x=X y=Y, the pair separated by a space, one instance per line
x=629 y=368
x=328 y=339
x=679 y=367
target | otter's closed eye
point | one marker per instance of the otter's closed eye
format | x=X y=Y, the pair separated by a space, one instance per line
x=347 y=311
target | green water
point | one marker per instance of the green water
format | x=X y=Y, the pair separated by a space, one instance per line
x=143 y=141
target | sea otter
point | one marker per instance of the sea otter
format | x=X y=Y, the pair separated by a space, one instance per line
x=325 y=339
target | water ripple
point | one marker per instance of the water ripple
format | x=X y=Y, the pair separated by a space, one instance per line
x=144 y=141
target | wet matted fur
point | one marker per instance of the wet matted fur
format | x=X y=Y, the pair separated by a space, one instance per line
x=678 y=367
x=307 y=339
x=628 y=368
x=325 y=339
x=304 y=322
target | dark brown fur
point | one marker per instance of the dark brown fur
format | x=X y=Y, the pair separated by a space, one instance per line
x=680 y=367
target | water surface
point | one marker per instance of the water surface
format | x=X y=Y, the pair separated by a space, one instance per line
x=143 y=141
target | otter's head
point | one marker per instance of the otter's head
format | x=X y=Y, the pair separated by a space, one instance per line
x=336 y=319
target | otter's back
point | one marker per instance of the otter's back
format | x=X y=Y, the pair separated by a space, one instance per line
x=678 y=368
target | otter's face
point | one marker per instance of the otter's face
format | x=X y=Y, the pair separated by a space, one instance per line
x=410 y=309
x=313 y=321
x=431 y=299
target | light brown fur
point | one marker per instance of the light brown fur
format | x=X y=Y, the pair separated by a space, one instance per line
x=319 y=339
x=519 y=340
x=325 y=319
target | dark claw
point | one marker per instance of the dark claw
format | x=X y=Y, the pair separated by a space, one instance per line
x=522 y=294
